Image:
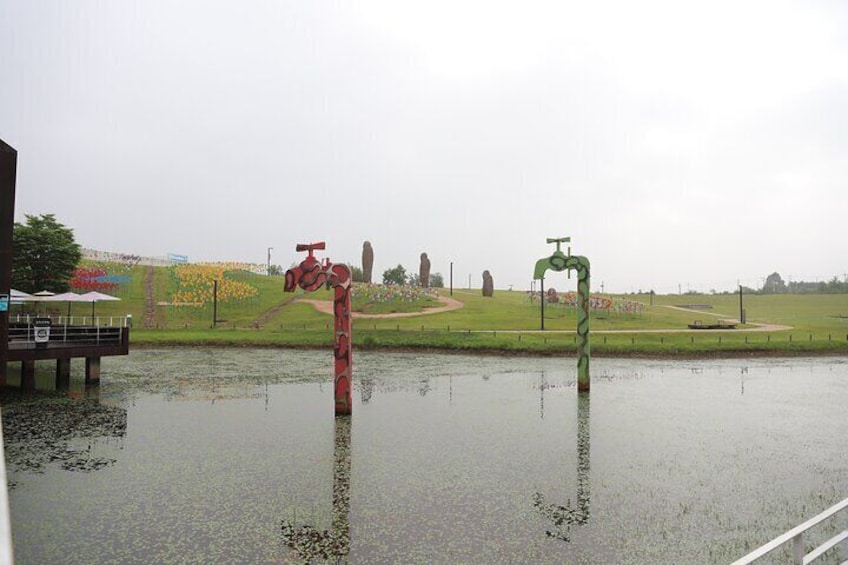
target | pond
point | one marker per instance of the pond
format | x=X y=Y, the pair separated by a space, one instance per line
x=233 y=456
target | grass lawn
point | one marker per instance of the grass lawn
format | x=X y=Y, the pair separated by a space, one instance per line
x=507 y=322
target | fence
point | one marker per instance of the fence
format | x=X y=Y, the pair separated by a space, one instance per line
x=99 y=321
x=64 y=330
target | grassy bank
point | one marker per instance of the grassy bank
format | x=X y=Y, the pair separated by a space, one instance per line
x=512 y=342
x=638 y=325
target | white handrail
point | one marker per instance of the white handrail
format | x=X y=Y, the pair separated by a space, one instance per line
x=123 y=321
x=796 y=536
x=6 y=553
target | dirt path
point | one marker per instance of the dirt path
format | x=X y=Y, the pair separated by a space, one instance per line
x=263 y=318
x=149 y=301
x=326 y=307
x=757 y=327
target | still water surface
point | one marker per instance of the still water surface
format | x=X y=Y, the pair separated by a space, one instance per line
x=234 y=456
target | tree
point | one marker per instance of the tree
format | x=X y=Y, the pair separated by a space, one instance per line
x=396 y=275
x=774 y=284
x=45 y=255
x=436 y=280
x=275 y=270
x=356 y=274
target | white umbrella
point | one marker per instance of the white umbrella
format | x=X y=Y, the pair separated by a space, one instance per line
x=95 y=296
x=64 y=297
x=19 y=297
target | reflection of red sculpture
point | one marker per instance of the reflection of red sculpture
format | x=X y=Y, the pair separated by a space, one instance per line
x=311 y=275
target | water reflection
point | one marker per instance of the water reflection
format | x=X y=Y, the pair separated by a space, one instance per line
x=564 y=516
x=306 y=541
x=366 y=386
x=42 y=428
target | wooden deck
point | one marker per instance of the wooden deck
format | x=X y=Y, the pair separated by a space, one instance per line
x=66 y=343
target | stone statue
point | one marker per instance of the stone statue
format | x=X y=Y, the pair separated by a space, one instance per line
x=424 y=271
x=488 y=285
x=367 y=261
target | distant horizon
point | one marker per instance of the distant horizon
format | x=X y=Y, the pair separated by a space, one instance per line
x=259 y=268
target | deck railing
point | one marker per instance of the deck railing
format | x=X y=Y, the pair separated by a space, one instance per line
x=101 y=321
x=22 y=334
x=795 y=536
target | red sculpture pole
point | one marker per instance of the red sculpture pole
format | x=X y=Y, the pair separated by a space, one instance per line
x=311 y=275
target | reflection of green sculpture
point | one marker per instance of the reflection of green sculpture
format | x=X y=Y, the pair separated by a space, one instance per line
x=559 y=261
x=565 y=516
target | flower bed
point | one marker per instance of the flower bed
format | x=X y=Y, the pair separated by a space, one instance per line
x=381 y=299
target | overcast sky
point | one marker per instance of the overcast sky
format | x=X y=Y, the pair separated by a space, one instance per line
x=681 y=145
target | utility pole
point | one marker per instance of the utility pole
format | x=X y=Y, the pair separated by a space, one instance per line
x=268 y=268
x=215 y=304
x=542 y=302
x=451 y=278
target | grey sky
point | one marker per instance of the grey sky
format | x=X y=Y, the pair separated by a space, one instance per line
x=680 y=144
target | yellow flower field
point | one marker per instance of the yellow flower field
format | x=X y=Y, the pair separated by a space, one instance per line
x=196 y=283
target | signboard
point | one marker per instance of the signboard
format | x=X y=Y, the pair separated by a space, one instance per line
x=4 y=302
x=41 y=329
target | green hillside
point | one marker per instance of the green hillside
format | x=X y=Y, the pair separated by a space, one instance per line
x=176 y=305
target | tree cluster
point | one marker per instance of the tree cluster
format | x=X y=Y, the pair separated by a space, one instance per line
x=45 y=255
x=399 y=276
x=774 y=284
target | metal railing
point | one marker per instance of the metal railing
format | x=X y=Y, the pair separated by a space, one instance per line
x=100 y=321
x=21 y=334
x=6 y=553
x=795 y=536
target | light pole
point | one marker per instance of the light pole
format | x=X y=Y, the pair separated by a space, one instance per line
x=451 y=278
x=268 y=268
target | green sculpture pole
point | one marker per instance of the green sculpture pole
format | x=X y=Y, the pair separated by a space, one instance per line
x=559 y=261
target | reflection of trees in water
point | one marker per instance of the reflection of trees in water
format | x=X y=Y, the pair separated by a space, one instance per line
x=309 y=543
x=564 y=516
x=44 y=428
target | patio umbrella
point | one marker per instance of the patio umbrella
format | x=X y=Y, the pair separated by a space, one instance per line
x=19 y=297
x=64 y=297
x=95 y=296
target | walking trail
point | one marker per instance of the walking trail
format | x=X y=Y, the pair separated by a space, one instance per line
x=149 y=302
x=326 y=307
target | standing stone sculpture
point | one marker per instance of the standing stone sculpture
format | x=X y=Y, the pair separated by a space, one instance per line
x=488 y=285
x=424 y=271
x=367 y=261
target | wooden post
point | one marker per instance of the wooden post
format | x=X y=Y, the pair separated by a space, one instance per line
x=63 y=374
x=27 y=375
x=92 y=370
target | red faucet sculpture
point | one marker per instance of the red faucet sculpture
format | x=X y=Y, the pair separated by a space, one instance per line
x=311 y=275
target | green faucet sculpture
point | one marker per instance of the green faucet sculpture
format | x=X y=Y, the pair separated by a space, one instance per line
x=559 y=261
